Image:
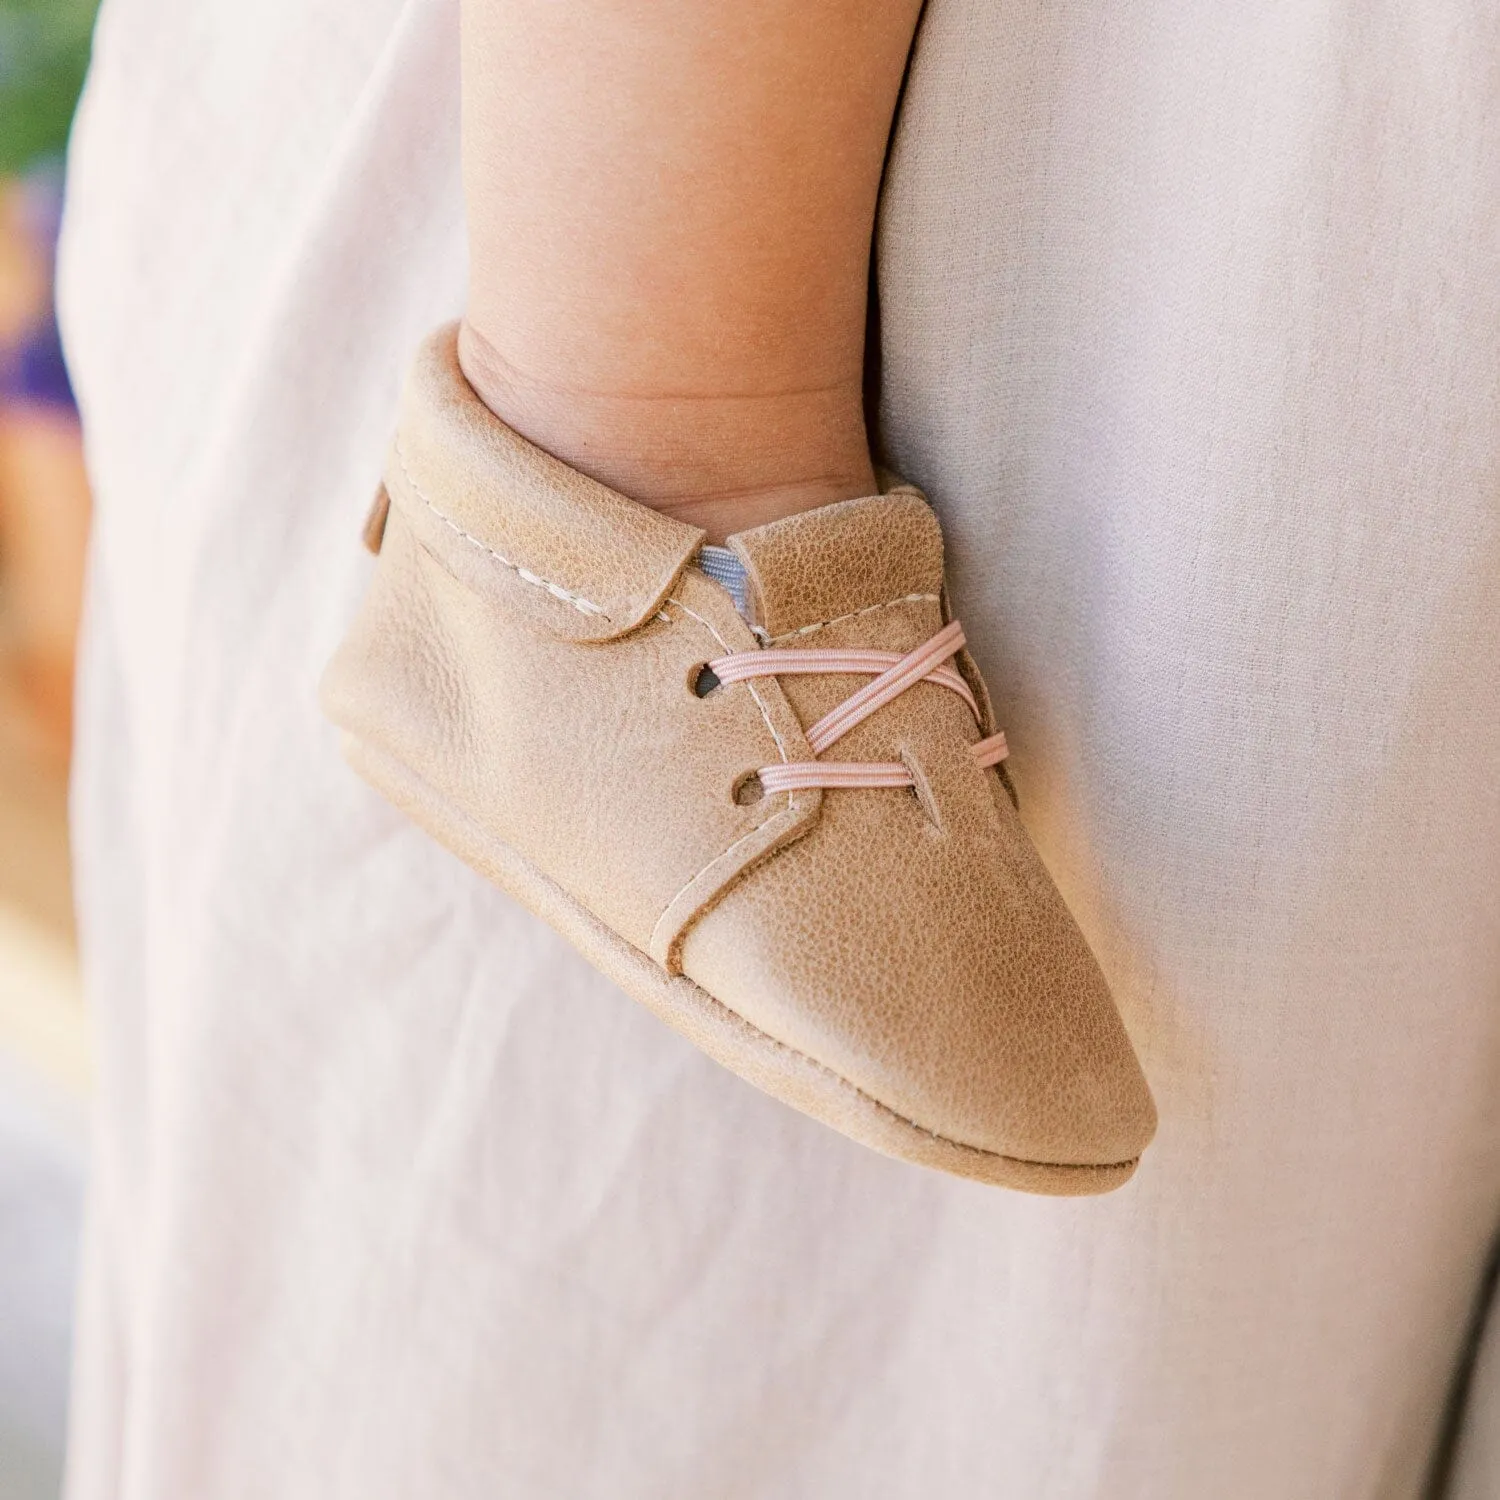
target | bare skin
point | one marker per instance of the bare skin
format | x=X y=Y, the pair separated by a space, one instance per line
x=670 y=209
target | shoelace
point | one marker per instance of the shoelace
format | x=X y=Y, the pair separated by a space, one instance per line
x=893 y=674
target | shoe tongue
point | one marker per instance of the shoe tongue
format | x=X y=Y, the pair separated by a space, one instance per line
x=834 y=561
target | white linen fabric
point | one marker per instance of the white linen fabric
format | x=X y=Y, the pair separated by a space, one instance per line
x=1191 y=326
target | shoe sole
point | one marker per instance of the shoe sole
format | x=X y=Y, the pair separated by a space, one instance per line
x=772 y=1066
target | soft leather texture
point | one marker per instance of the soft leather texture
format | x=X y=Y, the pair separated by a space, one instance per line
x=951 y=981
x=824 y=565
x=560 y=538
x=908 y=941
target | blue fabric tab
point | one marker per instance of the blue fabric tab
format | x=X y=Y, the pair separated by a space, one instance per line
x=726 y=569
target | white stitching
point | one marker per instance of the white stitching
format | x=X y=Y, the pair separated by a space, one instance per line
x=791 y=797
x=524 y=574
x=869 y=609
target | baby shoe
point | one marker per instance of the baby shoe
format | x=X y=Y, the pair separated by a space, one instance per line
x=786 y=831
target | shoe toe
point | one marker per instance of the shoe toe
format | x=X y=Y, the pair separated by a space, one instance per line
x=948 y=985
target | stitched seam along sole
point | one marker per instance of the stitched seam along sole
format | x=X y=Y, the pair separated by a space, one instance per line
x=417 y=797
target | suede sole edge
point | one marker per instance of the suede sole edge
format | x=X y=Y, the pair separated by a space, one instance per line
x=760 y=1059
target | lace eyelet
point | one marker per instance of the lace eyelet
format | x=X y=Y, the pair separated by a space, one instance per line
x=747 y=789
x=701 y=679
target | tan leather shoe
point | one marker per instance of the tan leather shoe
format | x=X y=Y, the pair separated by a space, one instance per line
x=789 y=841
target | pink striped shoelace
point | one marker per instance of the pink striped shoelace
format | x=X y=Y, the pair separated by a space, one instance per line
x=892 y=675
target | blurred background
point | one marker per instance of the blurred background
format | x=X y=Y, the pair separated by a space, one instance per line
x=44 y=508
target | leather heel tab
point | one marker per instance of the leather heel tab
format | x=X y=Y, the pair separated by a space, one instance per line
x=373 y=533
